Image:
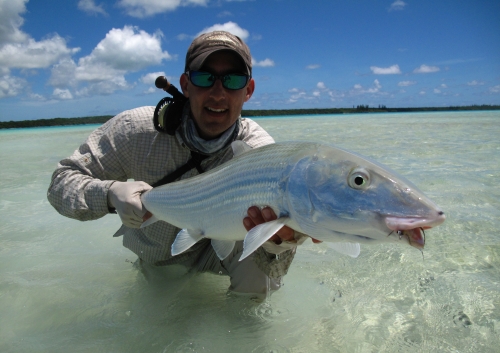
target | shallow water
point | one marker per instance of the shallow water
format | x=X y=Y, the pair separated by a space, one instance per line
x=69 y=286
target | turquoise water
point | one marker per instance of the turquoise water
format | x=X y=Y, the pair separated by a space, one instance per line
x=69 y=286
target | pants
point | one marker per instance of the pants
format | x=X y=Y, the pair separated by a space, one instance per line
x=245 y=276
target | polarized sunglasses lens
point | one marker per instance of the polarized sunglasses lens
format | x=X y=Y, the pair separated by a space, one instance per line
x=234 y=81
x=201 y=79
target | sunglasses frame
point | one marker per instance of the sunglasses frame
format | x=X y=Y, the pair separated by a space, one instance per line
x=222 y=79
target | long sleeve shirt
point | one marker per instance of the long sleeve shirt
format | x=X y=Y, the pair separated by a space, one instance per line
x=129 y=147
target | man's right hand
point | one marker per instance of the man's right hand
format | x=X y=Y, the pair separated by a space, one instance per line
x=125 y=197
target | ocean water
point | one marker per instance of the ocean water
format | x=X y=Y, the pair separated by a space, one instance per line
x=69 y=286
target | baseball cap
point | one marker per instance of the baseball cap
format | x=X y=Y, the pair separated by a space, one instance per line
x=208 y=43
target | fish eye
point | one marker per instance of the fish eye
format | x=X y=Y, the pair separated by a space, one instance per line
x=359 y=179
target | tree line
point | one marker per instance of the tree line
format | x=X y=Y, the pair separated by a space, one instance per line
x=101 y=119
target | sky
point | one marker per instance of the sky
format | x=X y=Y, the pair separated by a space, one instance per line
x=76 y=58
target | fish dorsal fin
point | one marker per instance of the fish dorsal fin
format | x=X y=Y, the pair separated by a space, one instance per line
x=350 y=249
x=149 y=221
x=222 y=248
x=185 y=239
x=240 y=147
x=260 y=234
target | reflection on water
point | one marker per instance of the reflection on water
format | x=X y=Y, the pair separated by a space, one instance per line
x=69 y=286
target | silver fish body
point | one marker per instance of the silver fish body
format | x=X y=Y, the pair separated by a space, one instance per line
x=323 y=191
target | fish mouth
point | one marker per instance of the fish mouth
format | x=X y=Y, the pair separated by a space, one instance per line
x=413 y=227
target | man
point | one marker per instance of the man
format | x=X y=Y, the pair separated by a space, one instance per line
x=93 y=181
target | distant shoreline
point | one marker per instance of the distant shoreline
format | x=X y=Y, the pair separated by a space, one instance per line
x=250 y=113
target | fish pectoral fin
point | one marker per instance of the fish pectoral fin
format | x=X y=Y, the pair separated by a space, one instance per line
x=185 y=239
x=149 y=221
x=260 y=234
x=222 y=247
x=240 y=147
x=350 y=249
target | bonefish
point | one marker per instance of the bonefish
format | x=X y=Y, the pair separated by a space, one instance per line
x=326 y=192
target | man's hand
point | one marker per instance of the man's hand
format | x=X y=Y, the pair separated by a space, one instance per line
x=286 y=234
x=125 y=197
x=257 y=216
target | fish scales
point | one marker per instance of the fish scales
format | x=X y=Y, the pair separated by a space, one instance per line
x=326 y=192
x=250 y=179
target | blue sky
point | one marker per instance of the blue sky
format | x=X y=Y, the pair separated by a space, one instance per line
x=73 y=58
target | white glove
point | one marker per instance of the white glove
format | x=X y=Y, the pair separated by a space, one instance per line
x=125 y=197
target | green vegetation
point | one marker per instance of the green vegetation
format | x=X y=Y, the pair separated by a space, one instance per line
x=55 y=122
x=363 y=109
x=253 y=113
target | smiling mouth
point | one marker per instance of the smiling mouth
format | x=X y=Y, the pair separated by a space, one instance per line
x=215 y=110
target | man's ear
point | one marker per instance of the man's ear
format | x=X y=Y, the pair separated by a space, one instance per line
x=249 y=89
x=184 y=81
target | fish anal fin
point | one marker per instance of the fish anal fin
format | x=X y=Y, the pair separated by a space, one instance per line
x=240 y=147
x=260 y=234
x=222 y=247
x=185 y=239
x=349 y=249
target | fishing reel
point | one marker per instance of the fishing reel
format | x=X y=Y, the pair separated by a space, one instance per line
x=168 y=112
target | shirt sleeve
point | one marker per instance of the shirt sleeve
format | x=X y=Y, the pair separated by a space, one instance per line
x=80 y=183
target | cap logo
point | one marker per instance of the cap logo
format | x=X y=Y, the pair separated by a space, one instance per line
x=221 y=39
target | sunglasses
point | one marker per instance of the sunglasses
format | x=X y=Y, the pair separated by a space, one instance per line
x=206 y=79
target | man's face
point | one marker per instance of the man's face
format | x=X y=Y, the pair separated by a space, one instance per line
x=216 y=108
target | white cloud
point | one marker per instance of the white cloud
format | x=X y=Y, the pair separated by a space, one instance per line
x=475 y=83
x=424 y=69
x=150 y=90
x=263 y=63
x=397 y=5
x=11 y=86
x=121 y=51
x=129 y=49
x=391 y=70
x=436 y=91
x=313 y=66
x=63 y=74
x=90 y=7
x=104 y=87
x=18 y=49
x=321 y=85
x=62 y=94
x=230 y=27
x=225 y=14
x=31 y=54
x=406 y=83
x=316 y=93
x=495 y=89
x=358 y=89
x=11 y=21
x=146 y=8
x=149 y=79
x=422 y=93
x=444 y=85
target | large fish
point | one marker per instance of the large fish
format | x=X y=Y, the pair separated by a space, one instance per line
x=325 y=192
